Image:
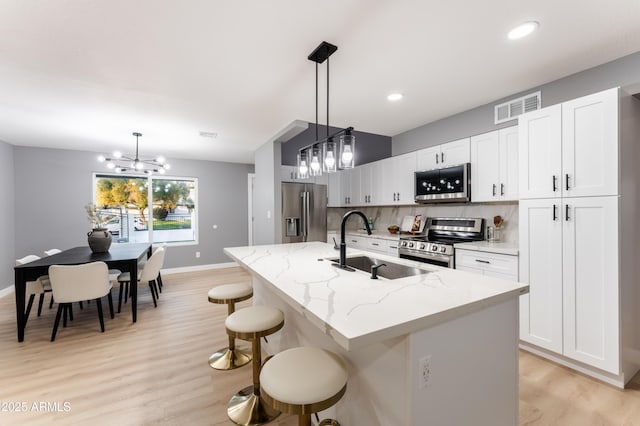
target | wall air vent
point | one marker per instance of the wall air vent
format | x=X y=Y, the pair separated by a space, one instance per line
x=510 y=110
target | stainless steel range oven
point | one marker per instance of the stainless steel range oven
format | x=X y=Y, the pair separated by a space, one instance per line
x=441 y=233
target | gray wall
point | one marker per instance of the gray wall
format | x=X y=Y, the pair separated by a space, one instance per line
x=7 y=216
x=621 y=72
x=369 y=146
x=52 y=186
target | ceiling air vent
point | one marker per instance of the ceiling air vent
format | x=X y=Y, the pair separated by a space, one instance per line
x=511 y=109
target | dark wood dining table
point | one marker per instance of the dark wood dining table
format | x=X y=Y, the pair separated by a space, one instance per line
x=124 y=257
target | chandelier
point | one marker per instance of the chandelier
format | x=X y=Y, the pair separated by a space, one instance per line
x=326 y=154
x=123 y=163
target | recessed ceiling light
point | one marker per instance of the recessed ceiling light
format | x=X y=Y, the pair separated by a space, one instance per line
x=395 y=97
x=523 y=30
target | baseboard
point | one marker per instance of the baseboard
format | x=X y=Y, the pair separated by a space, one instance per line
x=170 y=271
x=7 y=291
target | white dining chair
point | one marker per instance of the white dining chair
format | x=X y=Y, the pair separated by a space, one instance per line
x=148 y=274
x=74 y=283
x=40 y=286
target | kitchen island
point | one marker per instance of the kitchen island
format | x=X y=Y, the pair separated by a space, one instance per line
x=439 y=348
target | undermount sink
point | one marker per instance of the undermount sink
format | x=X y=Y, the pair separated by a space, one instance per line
x=391 y=271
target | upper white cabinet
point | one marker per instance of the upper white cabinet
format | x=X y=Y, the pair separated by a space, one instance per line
x=334 y=190
x=397 y=179
x=590 y=145
x=570 y=149
x=494 y=165
x=445 y=155
x=540 y=152
x=346 y=191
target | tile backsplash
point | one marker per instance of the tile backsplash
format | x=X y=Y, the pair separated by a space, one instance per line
x=385 y=216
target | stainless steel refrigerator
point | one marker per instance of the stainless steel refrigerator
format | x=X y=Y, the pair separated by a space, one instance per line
x=304 y=212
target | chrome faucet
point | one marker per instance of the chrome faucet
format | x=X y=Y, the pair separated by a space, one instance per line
x=343 y=244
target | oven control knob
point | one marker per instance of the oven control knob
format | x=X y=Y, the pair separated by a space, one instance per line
x=434 y=248
x=422 y=246
x=443 y=249
x=410 y=245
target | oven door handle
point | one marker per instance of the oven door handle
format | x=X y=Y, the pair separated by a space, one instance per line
x=427 y=255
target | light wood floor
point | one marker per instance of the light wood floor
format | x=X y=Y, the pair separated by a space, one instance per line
x=156 y=372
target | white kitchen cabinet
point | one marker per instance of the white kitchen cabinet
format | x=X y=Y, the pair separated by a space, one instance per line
x=289 y=174
x=398 y=179
x=540 y=153
x=540 y=256
x=590 y=279
x=334 y=190
x=590 y=145
x=370 y=183
x=484 y=263
x=444 y=155
x=494 y=165
x=346 y=191
x=569 y=257
x=570 y=149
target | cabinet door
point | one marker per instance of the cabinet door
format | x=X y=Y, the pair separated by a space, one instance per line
x=345 y=185
x=485 y=170
x=590 y=145
x=540 y=153
x=364 y=182
x=334 y=190
x=404 y=171
x=356 y=198
x=590 y=281
x=456 y=152
x=377 y=183
x=541 y=268
x=429 y=158
x=508 y=186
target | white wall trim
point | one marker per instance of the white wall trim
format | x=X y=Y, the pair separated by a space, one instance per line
x=7 y=291
x=195 y=268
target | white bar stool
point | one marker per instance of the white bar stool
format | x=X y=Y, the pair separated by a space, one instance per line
x=304 y=381
x=247 y=407
x=230 y=357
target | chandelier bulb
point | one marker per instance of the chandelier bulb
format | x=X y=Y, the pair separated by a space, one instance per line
x=315 y=163
x=330 y=160
x=117 y=154
x=160 y=160
x=110 y=165
x=101 y=158
x=347 y=154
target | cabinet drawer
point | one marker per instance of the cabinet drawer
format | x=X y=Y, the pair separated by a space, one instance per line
x=502 y=264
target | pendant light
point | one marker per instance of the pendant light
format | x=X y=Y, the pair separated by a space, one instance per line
x=326 y=155
x=127 y=163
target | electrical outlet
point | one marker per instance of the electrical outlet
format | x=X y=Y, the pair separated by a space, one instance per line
x=424 y=372
x=197 y=255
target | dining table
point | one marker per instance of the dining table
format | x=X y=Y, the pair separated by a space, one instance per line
x=124 y=257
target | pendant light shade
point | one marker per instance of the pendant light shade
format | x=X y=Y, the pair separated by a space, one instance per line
x=315 y=165
x=347 y=151
x=330 y=156
x=303 y=164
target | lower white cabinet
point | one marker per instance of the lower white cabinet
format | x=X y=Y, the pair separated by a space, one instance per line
x=368 y=243
x=491 y=264
x=569 y=257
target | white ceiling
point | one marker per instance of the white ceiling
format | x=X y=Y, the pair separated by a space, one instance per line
x=84 y=74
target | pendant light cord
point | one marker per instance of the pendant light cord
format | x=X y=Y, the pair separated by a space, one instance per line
x=327 y=99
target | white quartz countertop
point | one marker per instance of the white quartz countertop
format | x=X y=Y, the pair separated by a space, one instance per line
x=357 y=311
x=490 y=247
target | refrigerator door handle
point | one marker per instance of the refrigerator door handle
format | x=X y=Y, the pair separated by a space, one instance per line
x=305 y=215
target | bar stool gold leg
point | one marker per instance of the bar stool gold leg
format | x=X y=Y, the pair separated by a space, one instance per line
x=230 y=357
x=246 y=407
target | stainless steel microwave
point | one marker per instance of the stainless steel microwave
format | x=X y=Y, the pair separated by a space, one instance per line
x=451 y=184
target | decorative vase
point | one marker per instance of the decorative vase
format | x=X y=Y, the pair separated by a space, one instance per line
x=99 y=240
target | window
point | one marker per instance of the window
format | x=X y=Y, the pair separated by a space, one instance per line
x=148 y=209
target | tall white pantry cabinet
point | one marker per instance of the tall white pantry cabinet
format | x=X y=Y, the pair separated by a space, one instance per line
x=579 y=219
